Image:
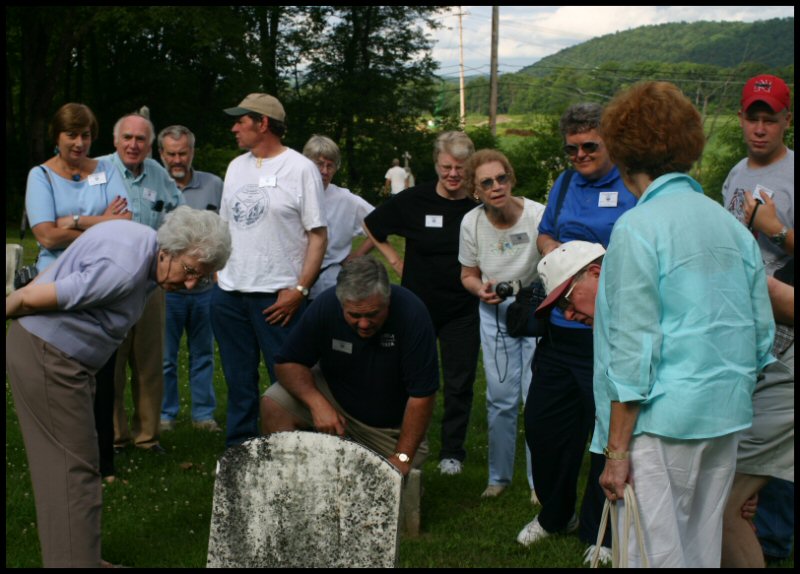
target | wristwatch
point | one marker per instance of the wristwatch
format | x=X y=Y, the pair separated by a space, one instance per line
x=611 y=455
x=402 y=457
x=76 y=218
x=302 y=290
x=779 y=238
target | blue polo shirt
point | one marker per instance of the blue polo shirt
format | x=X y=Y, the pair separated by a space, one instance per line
x=372 y=379
x=589 y=212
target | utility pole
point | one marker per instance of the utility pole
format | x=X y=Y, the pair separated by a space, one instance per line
x=493 y=72
x=463 y=116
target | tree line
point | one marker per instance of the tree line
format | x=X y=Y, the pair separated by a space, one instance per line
x=363 y=75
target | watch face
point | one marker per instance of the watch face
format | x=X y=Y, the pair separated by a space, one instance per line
x=403 y=457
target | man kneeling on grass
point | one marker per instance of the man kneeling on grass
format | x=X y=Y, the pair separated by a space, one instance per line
x=361 y=363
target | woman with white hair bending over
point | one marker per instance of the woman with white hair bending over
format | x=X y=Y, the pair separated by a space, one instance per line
x=71 y=318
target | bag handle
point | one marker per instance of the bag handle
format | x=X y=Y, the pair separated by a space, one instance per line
x=619 y=541
x=562 y=194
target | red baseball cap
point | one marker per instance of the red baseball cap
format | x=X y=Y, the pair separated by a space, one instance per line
x=768 y=89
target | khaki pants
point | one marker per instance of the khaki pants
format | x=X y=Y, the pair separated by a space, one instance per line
x=53 y=397
x=381 y=440
x=143 y=348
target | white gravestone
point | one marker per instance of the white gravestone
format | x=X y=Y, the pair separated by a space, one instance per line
x=307 y=500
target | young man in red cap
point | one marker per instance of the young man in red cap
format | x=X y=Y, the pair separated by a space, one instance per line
x=759 y=191
x=767 y=172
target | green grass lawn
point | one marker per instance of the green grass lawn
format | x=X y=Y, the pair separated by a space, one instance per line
x=158 y=513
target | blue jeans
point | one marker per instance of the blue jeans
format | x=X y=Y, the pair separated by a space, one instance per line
x=243 y=335
x=507 y=362
x=190 y=312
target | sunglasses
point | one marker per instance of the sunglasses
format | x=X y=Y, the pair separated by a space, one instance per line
x=587 y=147
x=486 y=184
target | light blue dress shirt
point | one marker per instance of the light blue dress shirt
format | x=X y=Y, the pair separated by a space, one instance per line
x=683 y=322
x=151 y=194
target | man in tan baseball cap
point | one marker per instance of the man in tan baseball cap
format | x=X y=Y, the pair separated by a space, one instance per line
x=273 y=202
x=570 y=274
x=262 y=104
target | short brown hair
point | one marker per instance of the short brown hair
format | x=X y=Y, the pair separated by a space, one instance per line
x=72 y=117
x=479 y=158
x=652 y=128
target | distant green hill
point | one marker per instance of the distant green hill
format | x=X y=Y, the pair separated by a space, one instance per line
x=709 y=61
x=769 y=43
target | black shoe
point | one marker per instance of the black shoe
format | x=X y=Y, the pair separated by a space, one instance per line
x=157 y=449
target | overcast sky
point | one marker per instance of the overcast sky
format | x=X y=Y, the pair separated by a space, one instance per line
x=529 y=33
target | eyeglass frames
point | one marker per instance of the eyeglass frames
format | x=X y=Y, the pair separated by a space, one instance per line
x=190 y=272
x=564 y=301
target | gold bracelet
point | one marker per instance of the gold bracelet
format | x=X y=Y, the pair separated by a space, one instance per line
x=611 y=455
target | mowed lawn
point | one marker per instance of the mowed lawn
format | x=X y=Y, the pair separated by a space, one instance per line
x=157 y=514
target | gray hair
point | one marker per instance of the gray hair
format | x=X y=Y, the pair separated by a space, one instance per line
x=580 y=118
x=361 y=278
x=196 y=232
x=455 y=143
x=321 y=146
x=134 y=115
x=176 y=132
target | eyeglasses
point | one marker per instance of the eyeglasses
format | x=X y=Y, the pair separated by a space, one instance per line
x=587 y=147
x=446 y=169
x=486 y=184
x=325 y=164
x=564 y=302
x=189 y=271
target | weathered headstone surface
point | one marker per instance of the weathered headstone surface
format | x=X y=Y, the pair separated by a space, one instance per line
x=307 y=500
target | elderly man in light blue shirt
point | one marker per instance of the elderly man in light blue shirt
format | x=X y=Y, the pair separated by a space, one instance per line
x=152 y=193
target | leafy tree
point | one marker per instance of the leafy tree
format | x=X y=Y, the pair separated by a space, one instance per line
x=369 y=83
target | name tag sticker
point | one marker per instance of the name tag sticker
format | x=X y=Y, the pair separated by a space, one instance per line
x=149 y=194
x=519 y=238
x=267 y=181
x=607 y=199
x=434 y=221
x=761 y=191
x=342 y=346
x=97 y=178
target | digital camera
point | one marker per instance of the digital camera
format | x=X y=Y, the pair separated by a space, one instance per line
x=506 y=289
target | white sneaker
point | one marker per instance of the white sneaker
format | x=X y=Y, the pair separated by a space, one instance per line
x=605 y=555
x=493 y=490
x=208 y=425
x=450 y=466
x=533 y=531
